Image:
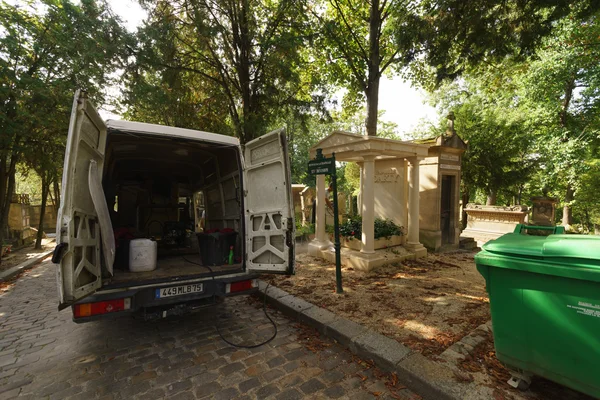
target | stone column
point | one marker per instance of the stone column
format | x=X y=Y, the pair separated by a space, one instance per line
x=412 y=242
x=360 y=196
x=320 y=214
x=368 y=204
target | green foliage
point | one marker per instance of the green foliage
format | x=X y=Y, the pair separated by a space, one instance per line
x=245 y=60
x=352 y=177
x=307 y=229
x=384 y=228
x=352 y=228
x=49 y=48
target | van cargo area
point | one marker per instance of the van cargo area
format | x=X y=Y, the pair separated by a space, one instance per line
x=184 y=194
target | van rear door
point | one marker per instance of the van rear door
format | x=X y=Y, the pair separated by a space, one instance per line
x=83 y=218
x=268 y=203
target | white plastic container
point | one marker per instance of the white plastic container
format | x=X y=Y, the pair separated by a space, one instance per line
x=142 y=255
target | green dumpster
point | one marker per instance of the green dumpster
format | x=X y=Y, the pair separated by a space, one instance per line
x=545 y=304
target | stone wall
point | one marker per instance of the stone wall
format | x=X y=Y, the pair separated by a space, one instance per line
x=49 y=217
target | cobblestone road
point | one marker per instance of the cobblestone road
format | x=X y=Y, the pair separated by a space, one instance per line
x=43 y=354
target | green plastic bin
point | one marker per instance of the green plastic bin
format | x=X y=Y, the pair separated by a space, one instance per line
x=545 y=304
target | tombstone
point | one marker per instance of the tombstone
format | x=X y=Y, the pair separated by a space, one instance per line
x=544 y=209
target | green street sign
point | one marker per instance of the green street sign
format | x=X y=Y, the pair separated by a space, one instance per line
x=323 y=166
x=326 y=166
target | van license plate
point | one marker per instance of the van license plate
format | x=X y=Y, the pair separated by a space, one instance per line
x=178 y=290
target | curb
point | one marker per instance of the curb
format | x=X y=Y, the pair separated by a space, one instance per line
x=11 y=272
x=431 y=380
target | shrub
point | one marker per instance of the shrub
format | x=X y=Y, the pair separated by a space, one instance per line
x=352 y=228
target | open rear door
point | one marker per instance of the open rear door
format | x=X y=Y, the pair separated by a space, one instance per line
x=268 y=203
x=83 y=218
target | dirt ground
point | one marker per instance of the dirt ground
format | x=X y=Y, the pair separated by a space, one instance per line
x=427 y=304
x=16 y=257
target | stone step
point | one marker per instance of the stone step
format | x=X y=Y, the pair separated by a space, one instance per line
x=467 y=243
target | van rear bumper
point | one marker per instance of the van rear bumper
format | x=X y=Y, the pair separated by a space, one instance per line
x=145 y=304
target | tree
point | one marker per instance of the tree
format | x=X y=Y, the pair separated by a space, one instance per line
x=249 y=53
x=560 y=88
x=361 y=41
x=534 y=118
x=43 y=55
x=162 y=95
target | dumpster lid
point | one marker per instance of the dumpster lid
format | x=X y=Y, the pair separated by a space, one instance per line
x=563 y=246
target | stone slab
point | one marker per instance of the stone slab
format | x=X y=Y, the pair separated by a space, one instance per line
x=384 y=351
x=290 y=305
x=273 y=292
x=345 y=331
x=318 y=318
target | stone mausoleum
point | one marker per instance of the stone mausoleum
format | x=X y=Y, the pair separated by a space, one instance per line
x=415 y=184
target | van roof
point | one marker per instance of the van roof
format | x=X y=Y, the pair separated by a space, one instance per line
x=154 y=129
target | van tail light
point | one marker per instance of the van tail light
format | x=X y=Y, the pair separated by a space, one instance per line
x=241 y=286
x=101 y=307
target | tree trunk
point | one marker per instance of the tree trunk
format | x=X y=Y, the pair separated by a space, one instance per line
x=464 y=216
x=45 y=189
x=491 y=198
x=7 y=188
x=56 y=189
x=569 y=87
x=588 y=222
x=567 y=220
x=372 y=90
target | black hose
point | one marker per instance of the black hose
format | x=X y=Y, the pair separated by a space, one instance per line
x=243 y=346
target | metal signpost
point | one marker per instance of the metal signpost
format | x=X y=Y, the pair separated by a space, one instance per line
x=326 y=166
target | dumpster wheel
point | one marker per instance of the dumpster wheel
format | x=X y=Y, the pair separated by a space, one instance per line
x=519 y=380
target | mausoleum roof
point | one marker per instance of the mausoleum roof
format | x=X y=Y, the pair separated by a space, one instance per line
x=351 y=147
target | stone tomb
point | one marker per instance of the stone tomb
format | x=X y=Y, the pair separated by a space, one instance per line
x=485 y=223
x=389 y=189
x=440 y=189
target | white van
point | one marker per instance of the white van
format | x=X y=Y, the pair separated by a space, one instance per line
x=217 y=212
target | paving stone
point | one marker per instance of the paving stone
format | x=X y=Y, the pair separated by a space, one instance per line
x=182 y=396
x=267 y=390
x=248 y=385
x=276 y=362
x=256 y=370
x=312 y=386
x=179 y=386
x=334 y=392
x=273 y=375
x=155 y=393
x=289 y=394
x=291 y=380
x=226 y=394
x=295 y=354
x=146 y=375
x=207 y=389
x=231 y=368
x=332 y=376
